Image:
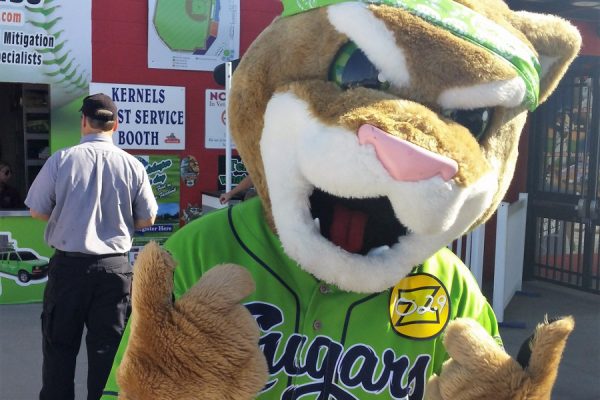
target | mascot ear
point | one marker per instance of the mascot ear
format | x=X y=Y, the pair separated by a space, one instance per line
x=556 y=41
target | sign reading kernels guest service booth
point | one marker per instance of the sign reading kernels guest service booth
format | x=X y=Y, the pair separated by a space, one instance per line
x=150 y=117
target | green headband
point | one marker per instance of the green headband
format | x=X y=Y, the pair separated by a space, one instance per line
x=462 y=22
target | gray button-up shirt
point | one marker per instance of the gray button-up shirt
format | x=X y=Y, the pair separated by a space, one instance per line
x=93 y=193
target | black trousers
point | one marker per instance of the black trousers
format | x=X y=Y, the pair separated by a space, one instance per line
x=82 y=291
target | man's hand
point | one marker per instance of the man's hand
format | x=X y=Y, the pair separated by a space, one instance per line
x=204 y=346
x=479 y=369
x=224 y=198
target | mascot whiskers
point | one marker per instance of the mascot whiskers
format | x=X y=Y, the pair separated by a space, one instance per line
x=375 y=132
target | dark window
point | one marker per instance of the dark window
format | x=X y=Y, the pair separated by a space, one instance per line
x=27 y=256
x=24 y=139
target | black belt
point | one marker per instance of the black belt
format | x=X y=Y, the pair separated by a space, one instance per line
x=75 y=254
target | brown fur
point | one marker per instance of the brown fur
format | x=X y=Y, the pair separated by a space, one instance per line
x=551 y=36
x=437 y=59
x=206 y=339
x=411 y=121
x=480 y=369
x=258 y=77
x=300 y=49
x=209 y=341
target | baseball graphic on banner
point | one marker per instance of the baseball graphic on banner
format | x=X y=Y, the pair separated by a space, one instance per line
x=47 y=43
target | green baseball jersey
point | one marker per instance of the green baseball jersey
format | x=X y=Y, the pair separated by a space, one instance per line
x=321 y=342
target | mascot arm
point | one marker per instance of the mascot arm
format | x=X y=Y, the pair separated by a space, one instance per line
x=480 y=369
x=204 y=345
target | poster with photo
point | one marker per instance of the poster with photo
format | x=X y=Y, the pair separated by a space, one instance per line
x=193 y=35
x=164 y=175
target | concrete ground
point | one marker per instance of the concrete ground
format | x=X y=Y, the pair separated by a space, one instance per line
x=578 y=378
x=579 y=372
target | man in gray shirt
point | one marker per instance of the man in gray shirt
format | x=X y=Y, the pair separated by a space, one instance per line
x=93 y=196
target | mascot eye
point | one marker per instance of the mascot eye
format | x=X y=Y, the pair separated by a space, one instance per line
x=351 y=68
x=476 y=121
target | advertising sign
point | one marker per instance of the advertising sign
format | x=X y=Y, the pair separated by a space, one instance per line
x=215 y=119
x=193 y=35
x=150 y=117
x=42 y=42
x=164 y=174
x=238 y=171
x=23 y=260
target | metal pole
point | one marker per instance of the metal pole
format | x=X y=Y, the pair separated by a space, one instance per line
x=227 y=133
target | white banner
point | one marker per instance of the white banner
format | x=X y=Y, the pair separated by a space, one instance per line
x=193 y=35
x=215 y=114
x=150 y=117
x=49 y=43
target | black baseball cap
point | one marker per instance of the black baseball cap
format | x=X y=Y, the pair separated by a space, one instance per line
x=99 y=106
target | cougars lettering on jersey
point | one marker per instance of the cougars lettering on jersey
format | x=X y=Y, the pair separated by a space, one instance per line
x=321 y=342
x=332 y=368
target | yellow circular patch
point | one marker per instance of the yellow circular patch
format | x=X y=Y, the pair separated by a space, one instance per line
x=419 y=307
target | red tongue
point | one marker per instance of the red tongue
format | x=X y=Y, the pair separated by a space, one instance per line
x=348 y=228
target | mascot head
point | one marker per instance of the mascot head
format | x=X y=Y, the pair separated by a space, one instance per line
x=378 y=131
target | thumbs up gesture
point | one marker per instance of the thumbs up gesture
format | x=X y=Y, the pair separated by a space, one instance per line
x=203 y=346
x=480 y=369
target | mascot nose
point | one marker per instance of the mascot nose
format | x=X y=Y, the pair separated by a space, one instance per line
x=406 y=161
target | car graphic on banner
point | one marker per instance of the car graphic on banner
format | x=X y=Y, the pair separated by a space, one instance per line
x=22 y=265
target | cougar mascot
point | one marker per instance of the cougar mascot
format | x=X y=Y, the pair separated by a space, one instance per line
x=375 y=132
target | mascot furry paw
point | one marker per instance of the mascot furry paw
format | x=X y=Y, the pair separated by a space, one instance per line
x=479 y=369
x=375 y=132
x=189 y=334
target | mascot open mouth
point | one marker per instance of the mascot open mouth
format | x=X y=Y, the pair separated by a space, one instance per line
x=357 y=225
